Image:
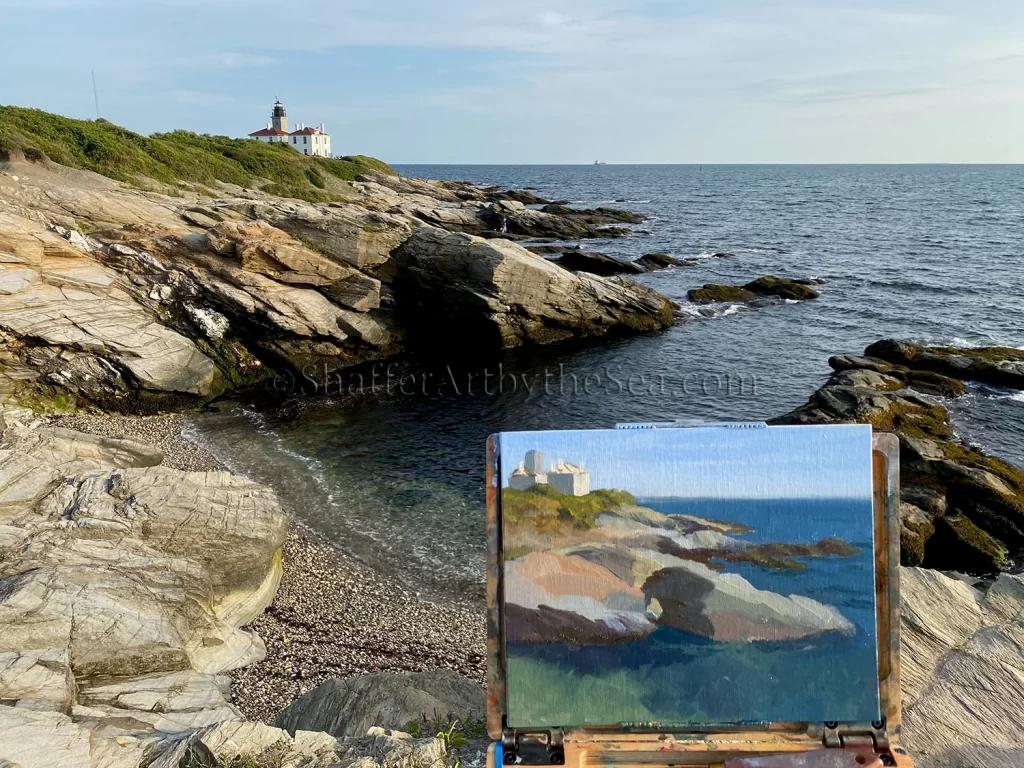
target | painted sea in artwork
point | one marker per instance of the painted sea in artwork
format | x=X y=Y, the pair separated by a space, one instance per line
x=688 y=576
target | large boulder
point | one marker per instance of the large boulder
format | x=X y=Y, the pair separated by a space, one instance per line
x=347 y=707
x=690 y=596
x=493 y=291
x=727 y=608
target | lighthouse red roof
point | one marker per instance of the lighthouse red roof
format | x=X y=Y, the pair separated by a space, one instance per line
x=307 y=130
x=269 y=132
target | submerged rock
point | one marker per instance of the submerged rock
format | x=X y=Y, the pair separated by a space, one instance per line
x=655 y=261
x=769 y=285
x=464 y=287
x=711 y=293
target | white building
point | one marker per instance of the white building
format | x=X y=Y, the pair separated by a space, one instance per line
x=311 y=141
x=564 y=477
x=569 y=479
x=315 y=142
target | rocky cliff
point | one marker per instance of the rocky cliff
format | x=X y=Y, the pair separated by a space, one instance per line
x=128 y=299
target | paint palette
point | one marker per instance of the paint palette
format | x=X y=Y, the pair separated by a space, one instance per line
x=683 y=583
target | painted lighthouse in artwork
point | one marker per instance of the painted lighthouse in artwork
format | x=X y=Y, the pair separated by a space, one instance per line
x=566 y=478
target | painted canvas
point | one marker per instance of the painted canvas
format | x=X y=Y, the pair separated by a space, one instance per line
x=703 y=576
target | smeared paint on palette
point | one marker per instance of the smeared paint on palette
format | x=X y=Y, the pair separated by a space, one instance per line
x=688 y=576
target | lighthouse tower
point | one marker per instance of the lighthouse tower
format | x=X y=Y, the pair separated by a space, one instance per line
x=280 y=117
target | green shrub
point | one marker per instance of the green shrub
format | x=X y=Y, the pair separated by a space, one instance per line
x=176 y=157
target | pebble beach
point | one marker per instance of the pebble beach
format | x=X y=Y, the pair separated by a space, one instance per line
x=333 y=615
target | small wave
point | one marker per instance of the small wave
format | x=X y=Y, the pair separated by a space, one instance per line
x=708 y=311
x=961 y=343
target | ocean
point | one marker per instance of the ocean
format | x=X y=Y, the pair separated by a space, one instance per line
x=929 y=253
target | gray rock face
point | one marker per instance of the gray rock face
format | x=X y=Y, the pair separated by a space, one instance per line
x=963 y=671
x=69 y=327
x=123 y=587
x=349 y=233
x=37 y=679
x=346 y=707
x=459 y=283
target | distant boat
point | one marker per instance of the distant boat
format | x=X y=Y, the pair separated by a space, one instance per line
x=600 y=162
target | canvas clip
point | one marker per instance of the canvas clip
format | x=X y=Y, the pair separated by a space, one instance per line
x=691 y=423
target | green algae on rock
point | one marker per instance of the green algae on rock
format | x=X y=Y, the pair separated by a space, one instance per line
x=963 y=509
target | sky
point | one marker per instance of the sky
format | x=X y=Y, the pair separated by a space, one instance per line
x=774 y=463
x=545 y=81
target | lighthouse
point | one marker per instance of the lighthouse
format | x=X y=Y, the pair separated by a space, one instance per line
x=308 y=140
x=279 y=118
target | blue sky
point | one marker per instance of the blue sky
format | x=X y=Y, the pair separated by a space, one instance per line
x=779 y=463
x=558 y=81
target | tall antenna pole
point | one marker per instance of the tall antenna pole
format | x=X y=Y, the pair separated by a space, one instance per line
x=95 y=94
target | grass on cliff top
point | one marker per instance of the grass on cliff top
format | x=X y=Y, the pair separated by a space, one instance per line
x=177 y=157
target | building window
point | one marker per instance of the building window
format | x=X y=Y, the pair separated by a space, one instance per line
x=294 y=140
x=305 y=139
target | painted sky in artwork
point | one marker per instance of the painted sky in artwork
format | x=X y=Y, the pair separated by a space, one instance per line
x=819 y=462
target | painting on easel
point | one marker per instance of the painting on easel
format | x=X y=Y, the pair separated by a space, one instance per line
x=688 y=576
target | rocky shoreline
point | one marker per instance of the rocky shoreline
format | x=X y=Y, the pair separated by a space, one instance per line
x=151 y=601
x=332 y=616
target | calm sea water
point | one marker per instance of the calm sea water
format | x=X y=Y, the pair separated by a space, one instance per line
x=929 y=253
